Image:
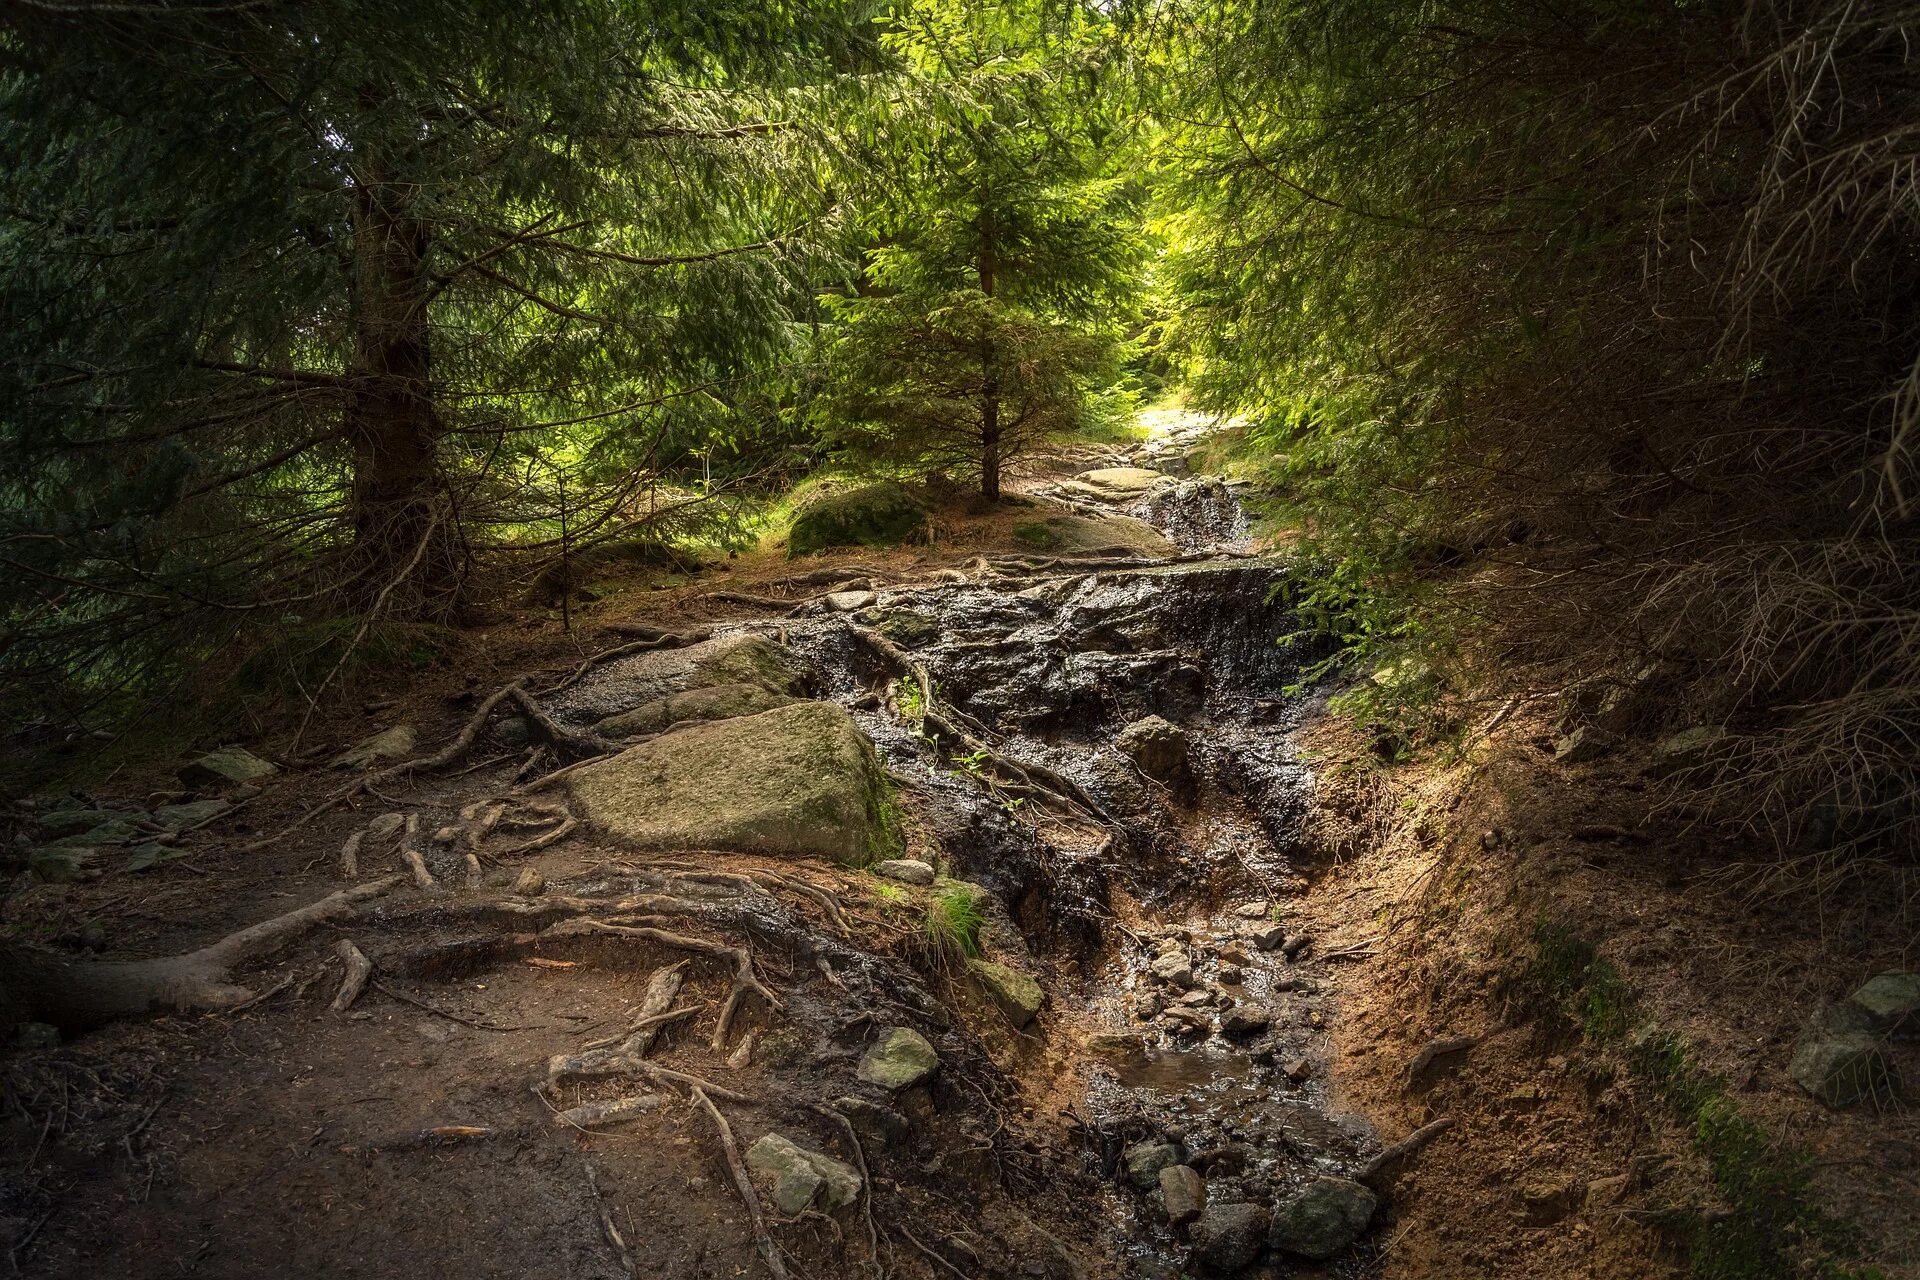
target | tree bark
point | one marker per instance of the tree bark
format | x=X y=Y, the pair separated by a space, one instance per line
x=392 y=420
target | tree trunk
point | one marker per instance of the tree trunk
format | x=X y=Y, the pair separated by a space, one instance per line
x=987 y=267
x=400 y=515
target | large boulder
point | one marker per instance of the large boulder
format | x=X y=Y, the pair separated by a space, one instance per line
x=1072 y=534
x=874 y=515
x=1891 y=1000
x=796 y=782
x=1325 y=1218
x=800 y=1178
x=714 y=702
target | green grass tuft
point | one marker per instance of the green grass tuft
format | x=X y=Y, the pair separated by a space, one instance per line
x=951 y=929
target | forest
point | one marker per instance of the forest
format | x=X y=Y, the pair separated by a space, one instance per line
x=1047 y=638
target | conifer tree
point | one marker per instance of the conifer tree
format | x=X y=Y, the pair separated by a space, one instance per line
x=1006 y=244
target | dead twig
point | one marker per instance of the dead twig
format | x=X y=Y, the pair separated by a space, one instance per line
x=743 y=1184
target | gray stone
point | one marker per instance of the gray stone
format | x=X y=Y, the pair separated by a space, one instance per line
x=1228 y=1236
x=1174 y=968
x=192 y=814
x=849 y=601
x=801 y=1178
x=1325 y=1218
x=796 y=782
x=1018 y=995
x=1090 y=533
x=227 y=765
x=1840 y=1062
x=900 y=1059
x=1258 y=909
x=1891 y=999
x=1145 y=1160
x=57 y=823
x=1183 y=1192
x=881 y=1126
x=1267 y=938
x=63 y=864
x=1158 y=746
x=1582 y=745
x=1125 y=482
x=529 y=883
x=905 y=870
x=907 y=627
x=398 y=743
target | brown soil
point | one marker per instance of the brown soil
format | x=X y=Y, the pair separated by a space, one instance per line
x=1448 y=871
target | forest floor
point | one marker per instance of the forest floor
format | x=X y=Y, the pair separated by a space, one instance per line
x=401 y=1136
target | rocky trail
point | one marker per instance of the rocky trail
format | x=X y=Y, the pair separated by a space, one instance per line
x=918 y=919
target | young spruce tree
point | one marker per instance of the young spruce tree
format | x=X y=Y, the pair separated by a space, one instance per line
x=1004 y=248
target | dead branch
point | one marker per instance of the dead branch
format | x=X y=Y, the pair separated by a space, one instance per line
x=613 y=1111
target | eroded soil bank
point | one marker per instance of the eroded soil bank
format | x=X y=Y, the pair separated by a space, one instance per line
x=1087 y=966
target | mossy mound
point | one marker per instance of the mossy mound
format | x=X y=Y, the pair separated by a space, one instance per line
x=711 y=702
x=874 y=515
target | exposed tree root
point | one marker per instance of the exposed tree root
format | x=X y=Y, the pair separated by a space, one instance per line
x=612 y=1111
x=744 y=1185
x=1383 y=1166
x=77 y=994
x=359 y=969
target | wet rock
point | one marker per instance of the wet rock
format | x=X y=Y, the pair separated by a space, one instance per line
x=1231 y=974
x=905 y=870
x=1158 y=747
x=878 y=1126
x=1115 y=1045
x=512 y=731
x=801 y=1178
x=228 y=764
x=1840 y=1059
x=1174 y=968
x=1245 y=1022
x=909 y=628
x=900 y=1059
x=1187 y=1021
x=1299 y=1070
x=1234 y=953
x=1294 y=944
x=1183 y=1192
x=796 y=782
x=1144 y=1161
x=1325 y=1218
x=848 y=601
x=530 y=883
x=1268 y=938
x=398 y=743
x=875 y=515
x=694 y=706
x=1228 y=1236
x=1017 y=994
x=1891 y=1000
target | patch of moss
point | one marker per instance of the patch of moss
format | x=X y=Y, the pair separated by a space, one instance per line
x=1037 y=533
x=886 y=829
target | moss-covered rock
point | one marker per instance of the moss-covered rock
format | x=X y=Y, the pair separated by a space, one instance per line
x=1069 y=534
x=796 y=782
x=899 y=1059
x=714 y=702
x=874 y=515
x=1017 y=994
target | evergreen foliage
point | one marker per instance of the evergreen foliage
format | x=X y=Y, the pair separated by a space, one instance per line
x=1006 y=245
